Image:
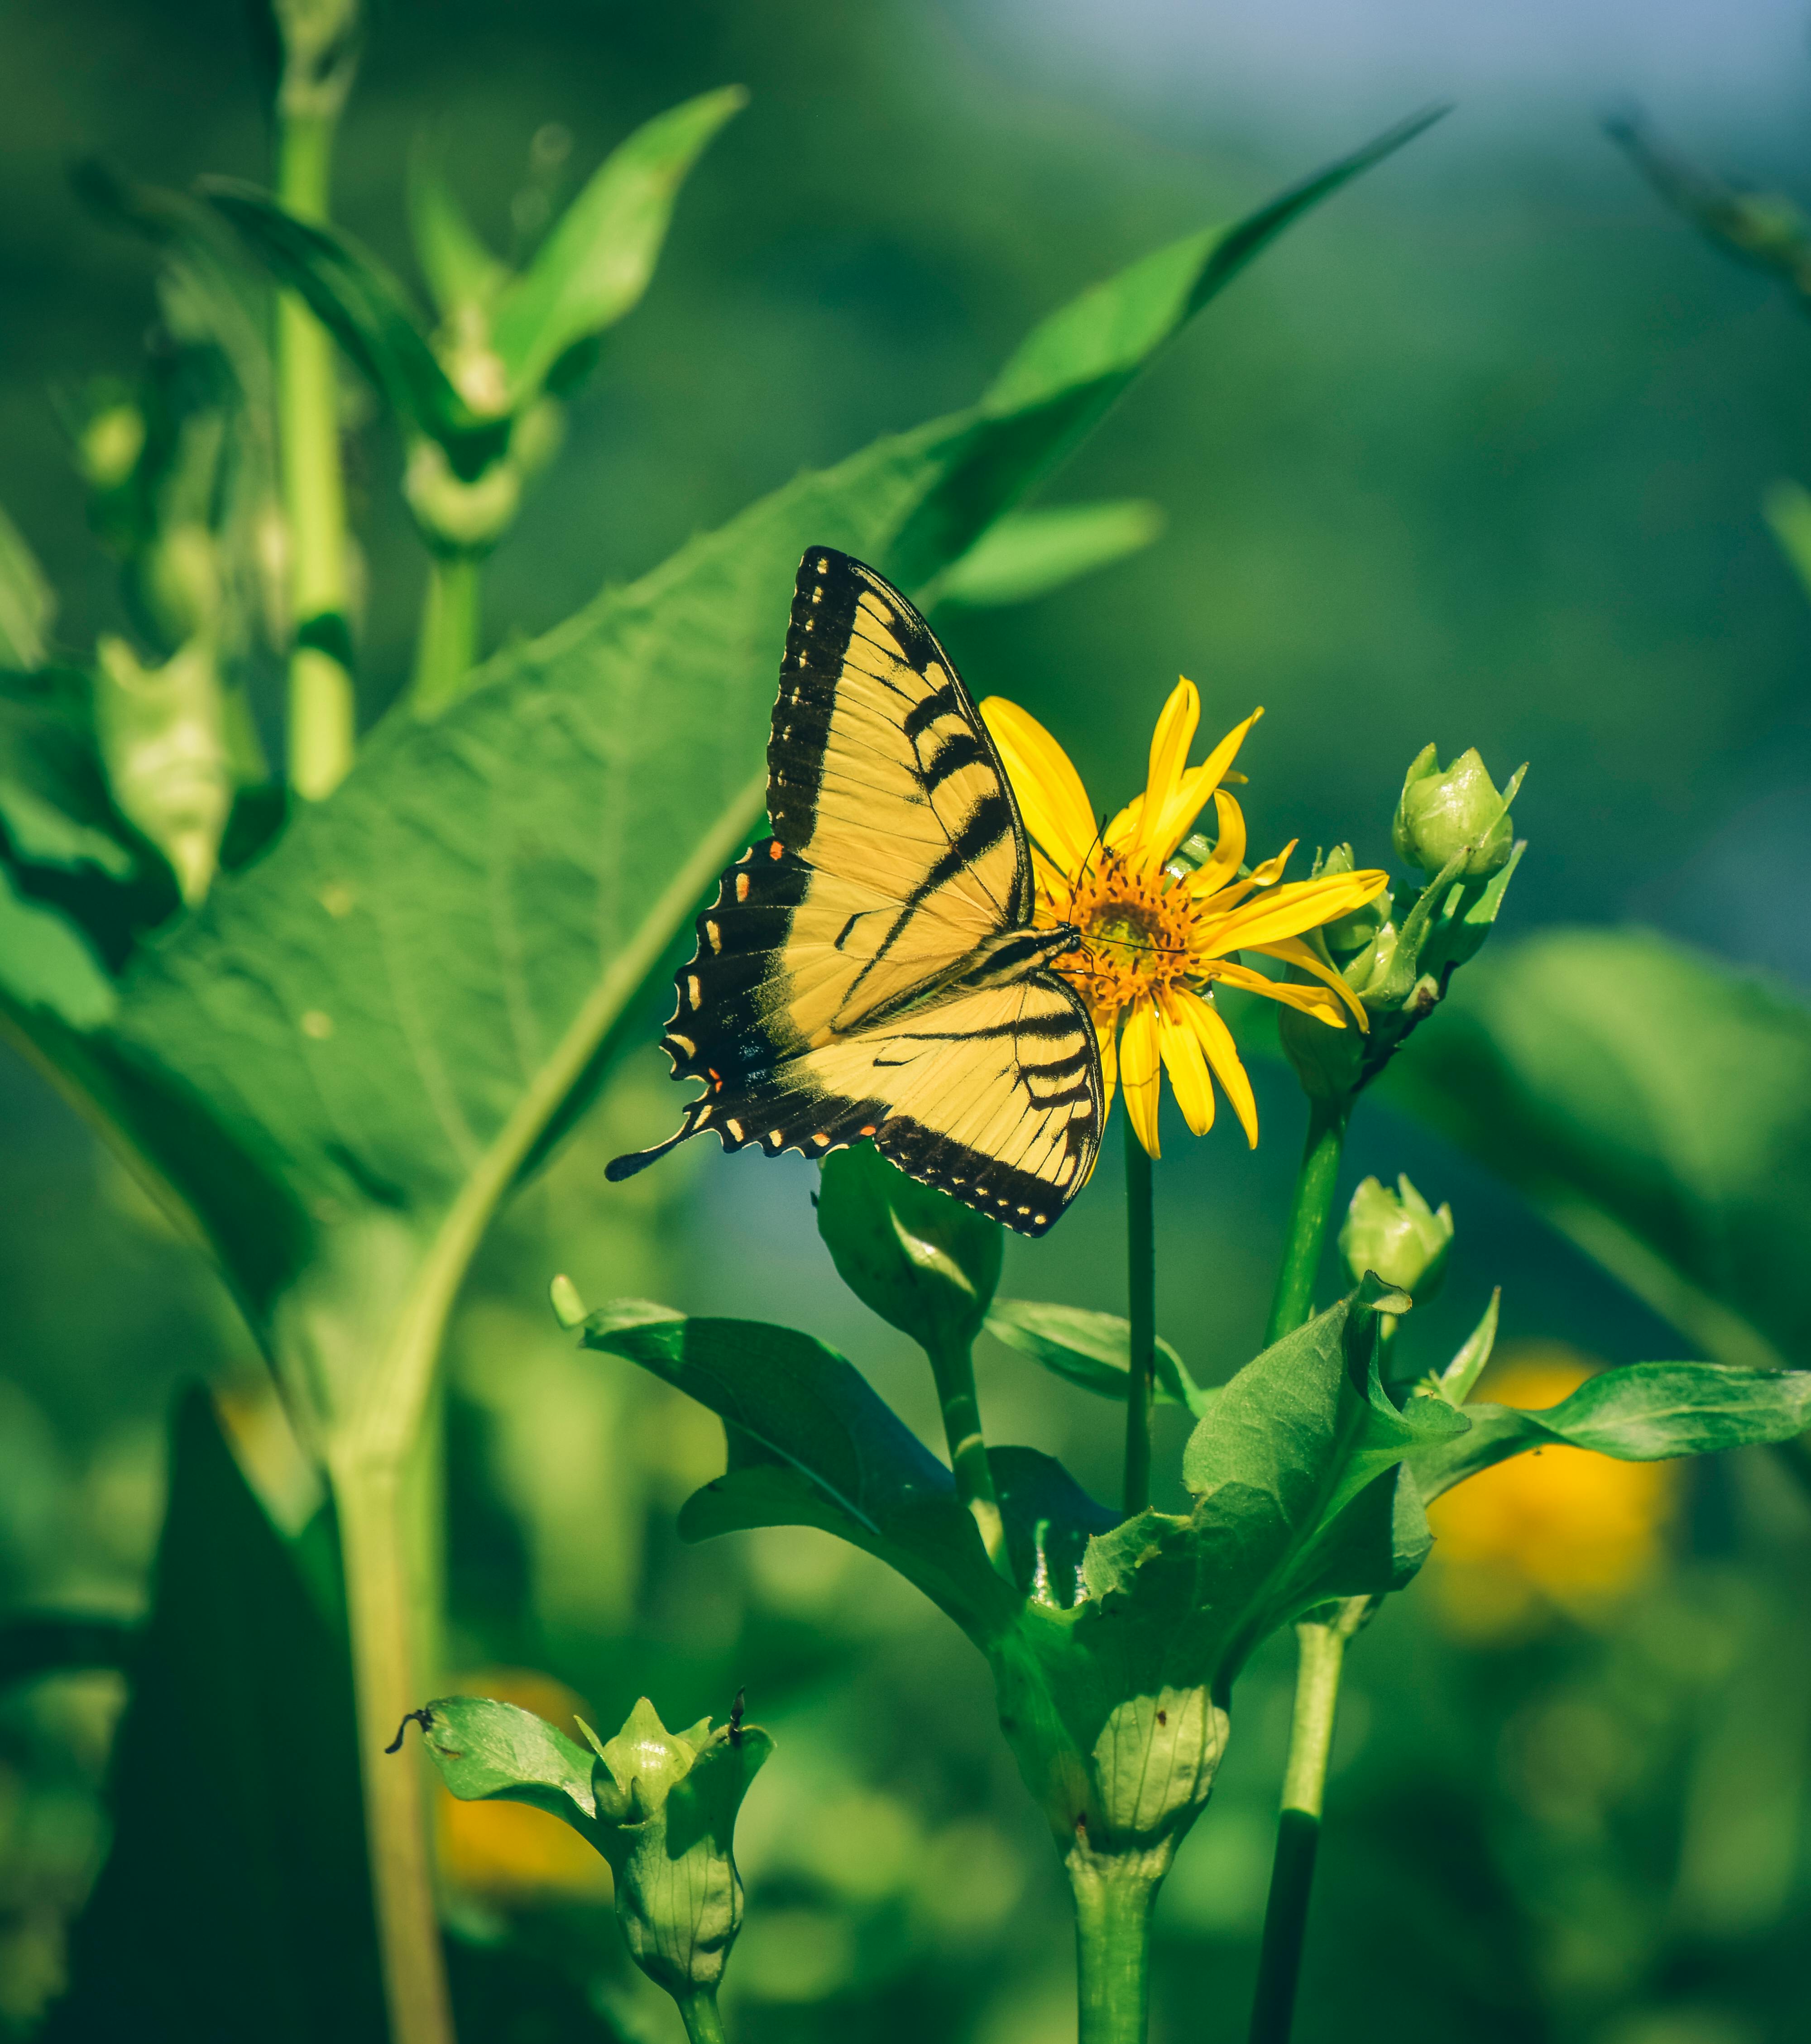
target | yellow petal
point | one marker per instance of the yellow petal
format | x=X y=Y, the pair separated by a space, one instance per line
x=1214 y=872
x=1106 y=1034
x=1292 y=951
x=1124 y=826
x=1320 y=1000
x=1051 y=798
x=1222 y=1055
x=1266 y=875
x=1187 y=1065
x=1304 y=904
x=1170 y=744
x=1192 y=790
x=1141 y=1072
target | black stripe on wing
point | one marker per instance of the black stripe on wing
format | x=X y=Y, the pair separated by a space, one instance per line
x=826 y=606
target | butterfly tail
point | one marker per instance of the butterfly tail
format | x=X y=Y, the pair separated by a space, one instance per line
x=620 y=1168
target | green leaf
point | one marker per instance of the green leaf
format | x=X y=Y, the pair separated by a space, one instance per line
x=345 y=1059
x=1049 y=1520
x=596 y=263
x=1455 y=1382
x=1069 y=372
x=492 y=1752
x=366 y=310
x=1028 y=553
x=925 y=1262
x=1786 y=507
x=1293 y=1470
x=461 y=272
x=1091 y=1350
x=162 y=736
x=46 y=962
x=1643 y=1412
x=1655 y=1106
x=235 y=1899
x=47 y=1642
x=54 y=803
x=810 y=1444
x=28 y=604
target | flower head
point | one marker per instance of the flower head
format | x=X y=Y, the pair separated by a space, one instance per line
x=1158 y=932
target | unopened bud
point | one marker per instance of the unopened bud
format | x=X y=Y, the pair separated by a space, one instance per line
x=1398 y=1235
x=1448 y=811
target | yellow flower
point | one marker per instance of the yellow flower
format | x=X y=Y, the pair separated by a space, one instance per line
x=1156 y=937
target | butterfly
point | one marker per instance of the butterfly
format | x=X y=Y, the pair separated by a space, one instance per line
x=871 y=971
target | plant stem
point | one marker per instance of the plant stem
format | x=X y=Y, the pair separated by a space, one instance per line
x=1141 y=1314
x=320 y=700
x=698 y=2012
x=1112 y=1952
x=382 y=1615
x=1310 y=1212
x=1323 y=1651
x=448 y=648
x=953 y=1370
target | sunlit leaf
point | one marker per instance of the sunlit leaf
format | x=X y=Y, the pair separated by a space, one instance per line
x=1028 y=553
x=28 y=604
x=596 y=263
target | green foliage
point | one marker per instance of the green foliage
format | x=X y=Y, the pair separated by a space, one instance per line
x=1028 y=553
x=925 y=1263
x=1091 y=1350
x=660 y=1807
x=595 y=266
x=44 y=1642
x=810 y=1444
x=236 y=1898
x=28 y=604
x=1643 y=1412
x=1655 y=1106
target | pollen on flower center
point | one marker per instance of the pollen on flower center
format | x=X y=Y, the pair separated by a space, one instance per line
x=1135 y=930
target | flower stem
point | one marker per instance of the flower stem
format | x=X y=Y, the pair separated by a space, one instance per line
x=1112 y=1952
x=1323 y=1650
x=699 y=2014
x=321 y=723
x=1310 y=1212
x=447 y=650
x=1141 y=1284
x=953 y=1370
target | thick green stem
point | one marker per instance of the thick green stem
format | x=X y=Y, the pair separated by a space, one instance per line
x=378 y=1540
x=1141 y=1313
x=953 y=1370
x=1322 y=1658
x=1310 y=1212
x=1112 y=1952
x=698 y=2012
x=448 y=648
x=321 y=700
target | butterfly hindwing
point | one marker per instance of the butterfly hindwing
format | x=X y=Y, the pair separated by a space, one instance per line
x=823 y=1004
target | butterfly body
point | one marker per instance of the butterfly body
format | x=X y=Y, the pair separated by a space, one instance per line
x=871 y=969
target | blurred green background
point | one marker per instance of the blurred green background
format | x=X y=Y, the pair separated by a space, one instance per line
x=1476 y=455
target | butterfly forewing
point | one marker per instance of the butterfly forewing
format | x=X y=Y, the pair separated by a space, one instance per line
x=823 y=1005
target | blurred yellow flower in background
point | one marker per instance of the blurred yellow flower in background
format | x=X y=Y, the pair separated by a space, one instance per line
x=1155 y=935
x=1560 y=1530
x=509 y=1853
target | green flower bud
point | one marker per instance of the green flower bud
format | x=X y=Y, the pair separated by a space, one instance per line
x=1398 y=1235
x=1443 y=813
x=457 y=517
x=660 y=1806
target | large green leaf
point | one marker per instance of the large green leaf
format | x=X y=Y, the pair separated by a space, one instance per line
x=1091 y=1350
x=1028 y=553
x=810 y=1444
x=1644 y=1412
x=597 y=261
x=236 y=1901
x=1655 y=1105
x=344 y=1061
